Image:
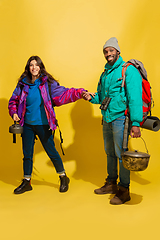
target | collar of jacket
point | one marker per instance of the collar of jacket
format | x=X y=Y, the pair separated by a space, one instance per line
x=115 y=65
x=24 y=86
x=44 y=79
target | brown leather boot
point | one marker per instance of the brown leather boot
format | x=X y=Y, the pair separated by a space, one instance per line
x=109 y=187
x=121 y=196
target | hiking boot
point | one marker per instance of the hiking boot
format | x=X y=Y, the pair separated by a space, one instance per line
x=64 y=183
x=121 y=196
x=25 y=186
x=109 y=187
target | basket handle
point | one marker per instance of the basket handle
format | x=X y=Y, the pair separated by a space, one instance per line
x=145 y=144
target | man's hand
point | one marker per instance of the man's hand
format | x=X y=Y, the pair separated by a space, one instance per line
x=135 y=132
x=87 y=95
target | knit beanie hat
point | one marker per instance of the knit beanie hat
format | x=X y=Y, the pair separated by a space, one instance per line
x=112 y=42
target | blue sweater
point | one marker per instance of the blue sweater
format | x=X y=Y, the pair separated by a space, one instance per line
x=35 y=112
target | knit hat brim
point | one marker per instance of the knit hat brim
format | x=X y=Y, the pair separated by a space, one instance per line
x=112 y=42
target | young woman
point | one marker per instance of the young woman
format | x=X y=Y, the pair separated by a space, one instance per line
x=31 y=106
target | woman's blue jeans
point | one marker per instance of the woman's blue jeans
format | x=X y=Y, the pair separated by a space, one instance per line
x=28 y=139
x=113 y=140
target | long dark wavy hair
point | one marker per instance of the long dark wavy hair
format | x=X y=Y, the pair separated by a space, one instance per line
x=43 y=71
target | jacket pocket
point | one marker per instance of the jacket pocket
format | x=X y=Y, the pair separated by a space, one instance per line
x=118 y=104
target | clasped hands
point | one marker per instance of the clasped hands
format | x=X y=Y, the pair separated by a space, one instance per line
x=87 y=95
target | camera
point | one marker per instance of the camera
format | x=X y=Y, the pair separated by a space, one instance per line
x=105 y=103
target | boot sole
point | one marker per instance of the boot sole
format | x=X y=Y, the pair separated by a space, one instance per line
x=23 y=191
x=114 y=203
x=111 y=192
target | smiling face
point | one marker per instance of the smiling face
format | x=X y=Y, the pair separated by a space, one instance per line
x=111 y=55
x=34 y=69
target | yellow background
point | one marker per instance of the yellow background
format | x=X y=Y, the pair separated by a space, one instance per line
x=69 y=36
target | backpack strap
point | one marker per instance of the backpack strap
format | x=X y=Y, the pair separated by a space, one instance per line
x=125 y=65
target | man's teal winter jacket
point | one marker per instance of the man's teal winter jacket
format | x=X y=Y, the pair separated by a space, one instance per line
x=121 y=97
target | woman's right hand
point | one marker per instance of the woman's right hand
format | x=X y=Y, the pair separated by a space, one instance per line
x=15 y=117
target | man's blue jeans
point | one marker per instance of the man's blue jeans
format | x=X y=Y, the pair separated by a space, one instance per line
x=28 y=139
x=113 y=140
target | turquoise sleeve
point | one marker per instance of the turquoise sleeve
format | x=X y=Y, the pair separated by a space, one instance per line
x=134 y=95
